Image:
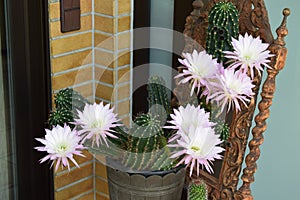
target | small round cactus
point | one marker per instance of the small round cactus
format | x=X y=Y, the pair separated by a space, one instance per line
x=69 y=99
x=197 y=191
x=60 y=117
x=222 y=26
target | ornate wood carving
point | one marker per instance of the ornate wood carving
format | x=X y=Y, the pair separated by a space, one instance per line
x=253 y=20
x=267 y=94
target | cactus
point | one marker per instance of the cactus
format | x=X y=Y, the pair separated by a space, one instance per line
x=158 y=100
x=197 y=191
x=69 y=99
x=143 y=146
x=147 y=138
x=67 y=102
x=60 y=117
x=222 y=129
x=222 y=26
x=146 y=146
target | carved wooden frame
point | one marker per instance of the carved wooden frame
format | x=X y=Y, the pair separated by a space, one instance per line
x=253 y=20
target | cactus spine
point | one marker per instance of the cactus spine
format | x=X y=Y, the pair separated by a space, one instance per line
x=222 y=26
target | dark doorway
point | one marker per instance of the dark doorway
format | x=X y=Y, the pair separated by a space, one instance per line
x=26 y=75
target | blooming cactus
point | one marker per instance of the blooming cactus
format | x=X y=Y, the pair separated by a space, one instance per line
x=61 y=143
x=96 y=122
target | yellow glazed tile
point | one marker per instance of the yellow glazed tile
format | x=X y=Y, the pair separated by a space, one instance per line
x=104 y=92
x=89 y=196
x=74 y=175
x=85 y=90
x=70 y=61
x=106 y=7
x=101 y=197
x=104 y=75
x=126 y=121
x=71 y=43
x=124 y=40
x=102 y=186
x=101 y=170
x=124 y=75
x=124 y=6
x=86 y=24
x=72 y=78
x=54 y=10
x=75 y=190
x=80 y=160
x=124 y=23
x=124 y=92
x=124 y=108
x=104 y=41
x=124 y=58
x=105 y=24
x=104 y=58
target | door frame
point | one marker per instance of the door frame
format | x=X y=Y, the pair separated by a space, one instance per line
x=28 y=57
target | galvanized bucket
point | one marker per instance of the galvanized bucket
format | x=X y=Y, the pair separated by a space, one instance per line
x=161 y=185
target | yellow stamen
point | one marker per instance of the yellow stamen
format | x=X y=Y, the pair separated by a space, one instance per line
x=195 y=148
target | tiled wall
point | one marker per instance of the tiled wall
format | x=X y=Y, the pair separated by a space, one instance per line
x=112 y=42
x=96 y=61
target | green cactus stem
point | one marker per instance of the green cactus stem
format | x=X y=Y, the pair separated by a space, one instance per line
x=69 y=99
x=67 y=102
x=197 y=191
x=60 y=117
x=222 y=26
x=147 y=138
x=159 y=102
x=222 y=129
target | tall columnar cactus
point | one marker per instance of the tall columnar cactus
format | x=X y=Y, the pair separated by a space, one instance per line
x=143 y=146
x=222 y=26
x=147 y=138
x=159 y=102
x=146 y=147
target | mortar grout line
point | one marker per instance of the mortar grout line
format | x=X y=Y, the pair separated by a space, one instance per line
x=73 y=183
x=83 y=194
x=73 y=168
x=131 y=58
x=94 y=85
x=102 y=194
x=57 y=19
x=71 y=52
x=74 y=86
x=71 y=70
x=71 y=35
x=116 y=74
x=105 y=84
x=93 y=47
